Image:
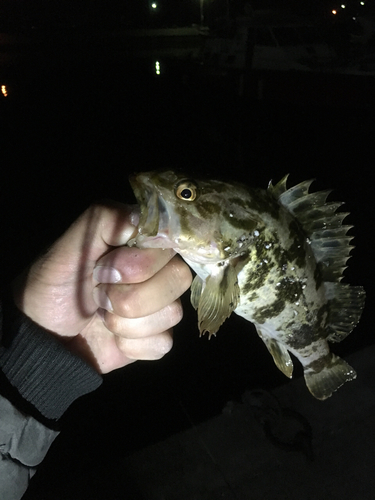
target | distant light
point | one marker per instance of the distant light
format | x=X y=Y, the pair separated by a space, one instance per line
x=334 y=12
x=343 y=6
x=362 y=3
x=157 y=67
x=154 y=5
x=4 y=90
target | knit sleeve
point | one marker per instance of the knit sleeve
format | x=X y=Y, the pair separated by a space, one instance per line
x=39 y=370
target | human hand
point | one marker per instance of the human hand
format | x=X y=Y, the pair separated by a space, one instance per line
x=109 y=303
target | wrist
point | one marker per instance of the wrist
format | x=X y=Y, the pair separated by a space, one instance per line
x=39 y=368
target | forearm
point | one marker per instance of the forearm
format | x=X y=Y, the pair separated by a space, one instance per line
x=39 y=379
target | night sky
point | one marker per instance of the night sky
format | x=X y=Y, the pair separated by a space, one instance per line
x=115 y=13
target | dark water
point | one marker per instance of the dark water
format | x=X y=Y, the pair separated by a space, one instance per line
x=71 y=131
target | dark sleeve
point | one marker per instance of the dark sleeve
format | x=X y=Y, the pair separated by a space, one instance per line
x=39 y=379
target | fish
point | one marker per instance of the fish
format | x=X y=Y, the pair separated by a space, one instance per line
x=274 y=256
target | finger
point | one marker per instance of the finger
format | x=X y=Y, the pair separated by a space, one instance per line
x=152 y=324
x=107 y=351
x=119 y=223
x=131 y=265
x=97 y=345
x=56 y=291
x=94 y=232
x=147 y=348
x=141 y=299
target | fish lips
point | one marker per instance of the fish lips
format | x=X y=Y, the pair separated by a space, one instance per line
x=154 y=216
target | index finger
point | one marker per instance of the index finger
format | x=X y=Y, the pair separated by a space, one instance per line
x=131 y=264
x=92 y=235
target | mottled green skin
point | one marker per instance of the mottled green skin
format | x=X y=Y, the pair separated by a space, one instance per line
x=281 y=269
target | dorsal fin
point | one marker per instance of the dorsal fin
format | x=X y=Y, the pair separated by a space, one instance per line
x=321 y=223
x=279 y=188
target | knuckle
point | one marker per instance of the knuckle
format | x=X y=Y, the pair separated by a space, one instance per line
x=164 y=343
x=125 y=346
x=175 y=312
x=113 y=323
x=182 y=273
x=150 y=348
x=129 y=303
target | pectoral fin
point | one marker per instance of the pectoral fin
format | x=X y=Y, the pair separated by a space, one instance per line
x=218 y=298
x=280 y=354
x=196 y=291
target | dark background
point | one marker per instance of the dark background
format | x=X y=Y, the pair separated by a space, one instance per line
x=79 y=118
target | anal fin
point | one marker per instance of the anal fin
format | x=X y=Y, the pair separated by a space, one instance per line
x=280 y=354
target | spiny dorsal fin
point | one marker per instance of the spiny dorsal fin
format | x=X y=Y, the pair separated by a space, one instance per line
x=280 y=187
x=321 y=223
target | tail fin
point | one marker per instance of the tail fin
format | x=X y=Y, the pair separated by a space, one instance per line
x=334 y=374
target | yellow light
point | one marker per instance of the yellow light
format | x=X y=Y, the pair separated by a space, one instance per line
x=362 y=3
x=157 y=67
x=154 y=5
x=334 y=12
x=4 y=90
x=343 y=6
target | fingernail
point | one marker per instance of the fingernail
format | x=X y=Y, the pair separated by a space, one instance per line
x=102 y=299
x=106 y=274
x=134 y=215
x=129 y=233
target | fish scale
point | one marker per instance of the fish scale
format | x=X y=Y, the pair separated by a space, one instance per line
x=273 y=256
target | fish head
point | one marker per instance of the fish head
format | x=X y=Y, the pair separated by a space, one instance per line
x=205 y=221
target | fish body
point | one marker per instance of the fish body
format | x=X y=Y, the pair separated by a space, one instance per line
x=273 y=256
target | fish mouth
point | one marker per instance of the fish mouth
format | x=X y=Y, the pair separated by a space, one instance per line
x=148 y=203
x=138 y=183
x=154 y=217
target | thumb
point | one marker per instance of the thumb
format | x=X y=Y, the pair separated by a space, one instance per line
x=100 y=228
x=60 y=282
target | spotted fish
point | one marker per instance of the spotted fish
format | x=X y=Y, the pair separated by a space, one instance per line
x=275 y=257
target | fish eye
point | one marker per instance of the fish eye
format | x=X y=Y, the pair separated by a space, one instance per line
x=186 y=190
